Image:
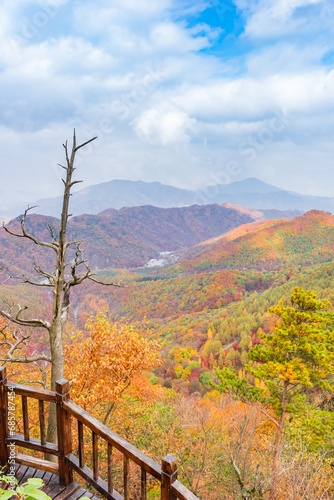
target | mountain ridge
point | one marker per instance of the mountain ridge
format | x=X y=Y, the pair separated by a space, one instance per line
x=117 y=194
x=128 y=237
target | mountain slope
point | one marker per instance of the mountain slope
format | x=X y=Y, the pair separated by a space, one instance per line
x=128 y=237
x=306 y=240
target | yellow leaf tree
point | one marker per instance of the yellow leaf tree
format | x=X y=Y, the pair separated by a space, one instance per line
x=104 y=364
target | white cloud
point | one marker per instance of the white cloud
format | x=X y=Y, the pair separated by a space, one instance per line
x=91 y=66
x=165 y=126
x=175 y=38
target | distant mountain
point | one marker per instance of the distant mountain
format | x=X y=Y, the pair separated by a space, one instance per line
x=128 y=237
x=256 y=194
x=117 y=194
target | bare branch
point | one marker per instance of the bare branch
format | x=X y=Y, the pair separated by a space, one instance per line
x=75 y=182
x=75 y=149
x=20 y=341
x=27 y=359
x=117 y=285
x=25 y=234
x=37 y=323
x=52 y=232
x=50 y=276
x=35 y=283
x=266 y=414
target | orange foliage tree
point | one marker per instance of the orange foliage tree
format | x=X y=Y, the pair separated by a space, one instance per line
x=104 y=364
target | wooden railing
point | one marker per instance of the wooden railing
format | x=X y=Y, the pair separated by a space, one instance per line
x=67 y=410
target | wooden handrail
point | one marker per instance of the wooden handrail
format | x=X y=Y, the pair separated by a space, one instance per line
x=31 y=392
x=171 y=488
x=114 y=439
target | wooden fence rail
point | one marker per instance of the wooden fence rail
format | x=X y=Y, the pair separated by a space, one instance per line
x=67 y=410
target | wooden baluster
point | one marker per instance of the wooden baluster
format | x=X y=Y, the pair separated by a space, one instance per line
x=25 y=418
x=143 y=485
x=64 y=432
x=3 y=418
x=110 y=469
x=168 y=476
x=81 y=444
x=95 y=456
x=41 y=420
x=126 y=477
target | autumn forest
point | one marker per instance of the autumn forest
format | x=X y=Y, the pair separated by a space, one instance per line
x=223 y=356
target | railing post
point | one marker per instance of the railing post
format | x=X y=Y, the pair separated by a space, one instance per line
x=3 y=418
x=168 y=476
x=64 y=431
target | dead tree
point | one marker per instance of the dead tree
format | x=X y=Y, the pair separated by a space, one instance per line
x=57 y=282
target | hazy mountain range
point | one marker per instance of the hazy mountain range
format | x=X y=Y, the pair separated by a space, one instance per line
x=117 y=194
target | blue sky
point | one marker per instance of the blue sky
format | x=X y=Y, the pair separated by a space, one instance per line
x=185 y=92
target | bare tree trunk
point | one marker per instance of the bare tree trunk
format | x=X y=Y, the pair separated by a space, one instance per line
x=60 y=285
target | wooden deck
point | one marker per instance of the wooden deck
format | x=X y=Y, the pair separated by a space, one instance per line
x=58 y=475
x=52 y=487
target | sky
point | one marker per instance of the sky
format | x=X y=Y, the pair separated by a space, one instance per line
x=188 y=93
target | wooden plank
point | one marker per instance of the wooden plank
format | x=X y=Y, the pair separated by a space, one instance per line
x=40 y=474
x=38 y=463
x=143 y=485
x=126 y=477
x=52 y=490
x=21 y=471
x=34 y=444
x=81 y=444
x=27 y=475
x=181 y=492
x=110 y=469
x=31 y=392
x=41 y=421
x=112 y=438
x=25 y=418
x=95 y=457
x=48 y=476
x=100 y=485
x=11 y=467
x=78 y=494
x=67 y=492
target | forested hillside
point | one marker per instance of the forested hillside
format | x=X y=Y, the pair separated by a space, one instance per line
x=128 y=237
x=206 y=313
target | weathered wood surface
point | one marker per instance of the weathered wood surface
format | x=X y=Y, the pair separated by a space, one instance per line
x=63 y=431
x=181 y=492
x=59 y=478
x=114 y=439
x=31 y=392
x=41 y=421
x=36 y=463
x=168 y=476
x=33 y=444
x=100 y=485
x=51 y=487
